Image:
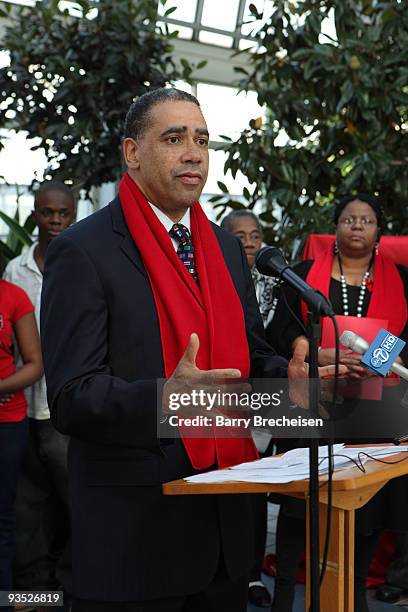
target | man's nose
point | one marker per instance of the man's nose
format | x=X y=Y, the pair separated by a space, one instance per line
x=247 y=241
x=56 y=219
x=192 y=153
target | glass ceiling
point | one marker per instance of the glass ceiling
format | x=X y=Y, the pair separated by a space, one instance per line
x=223 y=23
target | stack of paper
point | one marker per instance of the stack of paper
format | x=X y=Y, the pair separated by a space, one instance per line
x=294 y=465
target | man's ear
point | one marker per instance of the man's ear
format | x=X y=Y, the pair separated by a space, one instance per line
x=131 y=153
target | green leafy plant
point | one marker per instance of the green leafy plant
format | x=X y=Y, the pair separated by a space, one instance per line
x=72 y=78
x=19 y=235
x=336 y=114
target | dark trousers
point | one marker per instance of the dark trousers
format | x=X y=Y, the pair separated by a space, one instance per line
x=290 y=545
x=365 y=546
x=43 y=559
x=397 y=572
x=13 y=438
x=222 y=595
x=260 y=513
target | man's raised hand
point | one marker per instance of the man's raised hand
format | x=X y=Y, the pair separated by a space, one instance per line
x=187 y=377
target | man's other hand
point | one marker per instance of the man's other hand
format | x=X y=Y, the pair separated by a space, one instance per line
x=298 y=371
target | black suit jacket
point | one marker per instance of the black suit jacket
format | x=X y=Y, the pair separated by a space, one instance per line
x=102 y=356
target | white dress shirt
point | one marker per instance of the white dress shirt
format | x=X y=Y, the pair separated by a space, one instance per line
x=168 y=223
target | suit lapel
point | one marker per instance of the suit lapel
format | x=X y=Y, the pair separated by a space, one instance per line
x=130 y=250
x=127 y=246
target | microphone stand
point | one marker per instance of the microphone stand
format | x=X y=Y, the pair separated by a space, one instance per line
x=314 y=333
x=317 y=306
x=271 y=262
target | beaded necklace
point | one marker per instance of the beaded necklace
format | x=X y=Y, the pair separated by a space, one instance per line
x=344 y=290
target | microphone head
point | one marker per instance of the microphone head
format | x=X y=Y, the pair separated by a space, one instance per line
x=356 y=343
x=347 y=338
x=270 y=261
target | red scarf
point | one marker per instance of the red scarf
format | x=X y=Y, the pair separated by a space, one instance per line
x=387 y=297
x=212 y=310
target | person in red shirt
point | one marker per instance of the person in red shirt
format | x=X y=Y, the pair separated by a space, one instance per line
x=16 y=322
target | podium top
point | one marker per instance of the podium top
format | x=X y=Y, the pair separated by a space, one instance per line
x=376 y=474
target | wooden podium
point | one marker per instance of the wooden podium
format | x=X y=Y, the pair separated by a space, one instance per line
x=351 y=490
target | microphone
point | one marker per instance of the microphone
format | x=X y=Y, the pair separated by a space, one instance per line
x=361 y=346
x=270 y=262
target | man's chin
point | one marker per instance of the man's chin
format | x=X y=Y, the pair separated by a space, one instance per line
x=50 y=237
x=190 y=193
x=251 y=260
x=188 y=201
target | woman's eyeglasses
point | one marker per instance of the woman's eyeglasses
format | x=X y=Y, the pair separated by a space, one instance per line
x=349 y=221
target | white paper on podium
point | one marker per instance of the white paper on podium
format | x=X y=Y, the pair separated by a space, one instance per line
x=294 y=457
x=294 y=465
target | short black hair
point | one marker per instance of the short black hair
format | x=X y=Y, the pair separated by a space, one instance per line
x=228 y=221
x=138 y=115
x=363 y=197
x=53 y=186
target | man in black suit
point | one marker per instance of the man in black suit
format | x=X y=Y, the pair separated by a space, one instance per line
x=105 y=343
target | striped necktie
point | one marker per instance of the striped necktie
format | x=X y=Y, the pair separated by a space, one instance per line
x=185 y=249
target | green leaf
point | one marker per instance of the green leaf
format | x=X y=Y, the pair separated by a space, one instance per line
x=254 y=11
x=6 y=251
x=314 y=22
x=246 y=193
x=300 y=54
x=222 y=186
x=347 y=93
x=234 y=204
x=216 y=198
x=267 y=217
x=324 y=50
x=16 y=229
x=241 y=70
x=169 y=11
x=29 y=224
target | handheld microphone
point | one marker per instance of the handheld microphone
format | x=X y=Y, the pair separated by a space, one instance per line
x=361 y=346
x=270 y=262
